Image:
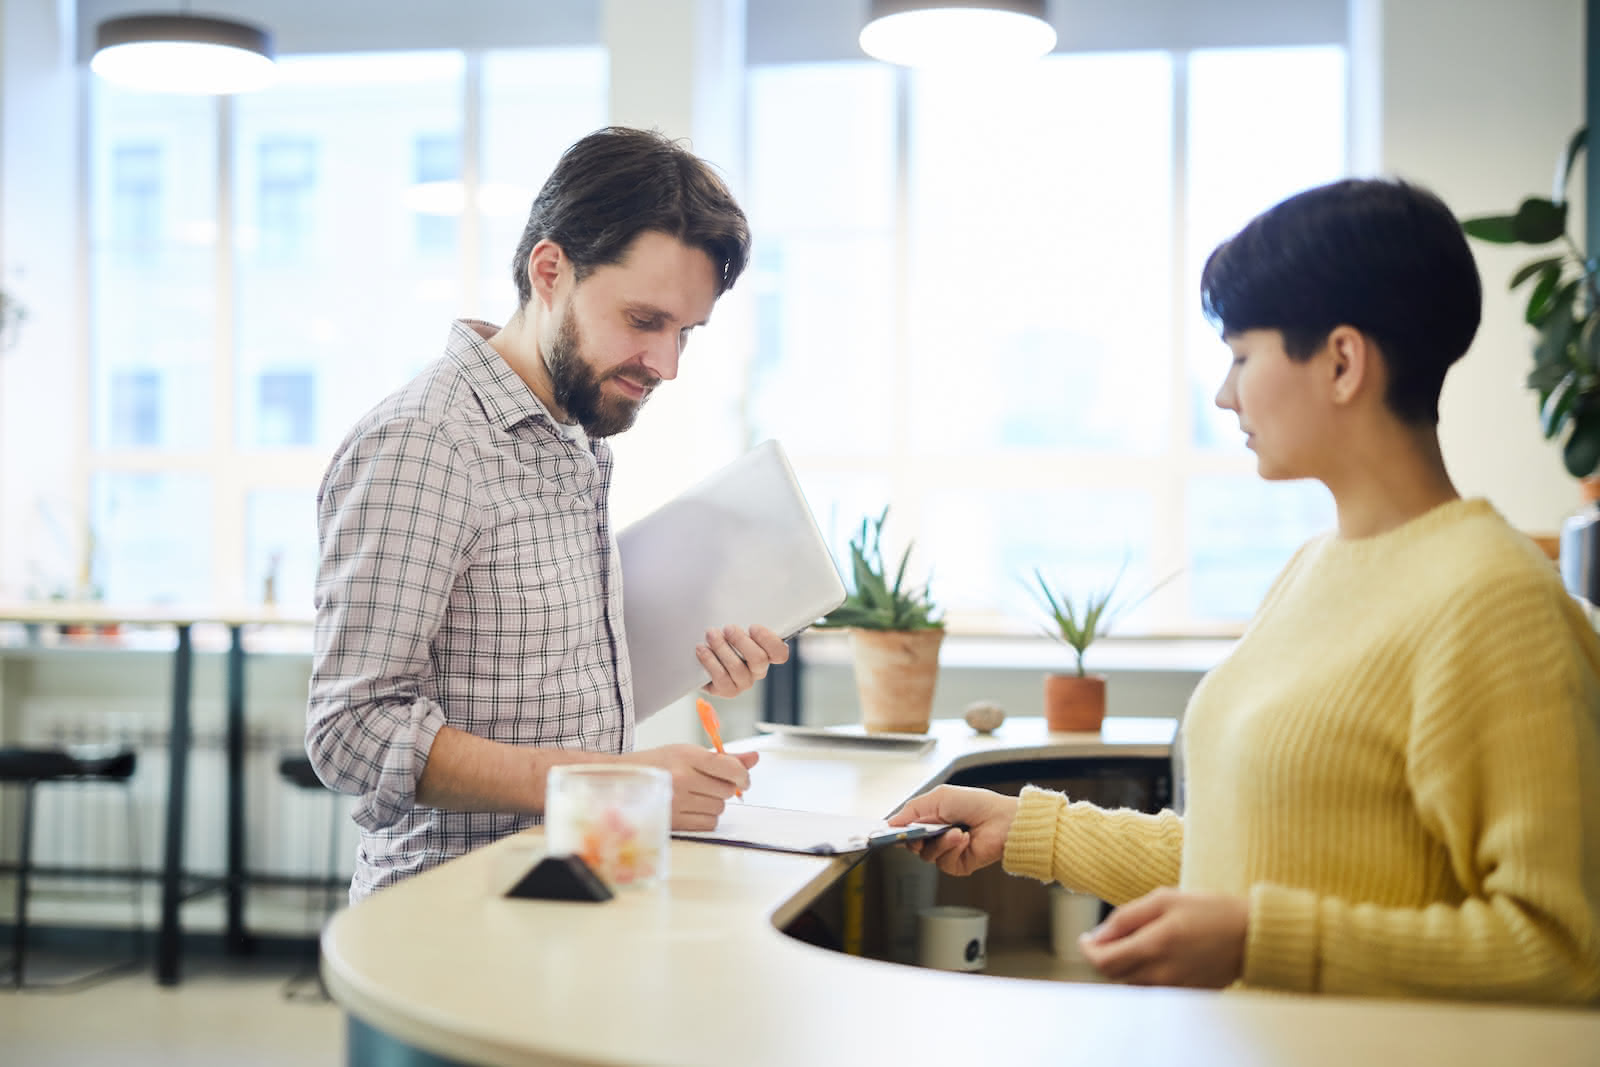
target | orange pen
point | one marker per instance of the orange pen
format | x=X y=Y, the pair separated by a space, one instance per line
x=708 y=719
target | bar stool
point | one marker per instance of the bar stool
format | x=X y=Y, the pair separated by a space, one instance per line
x=31 y=767
x=297 y=771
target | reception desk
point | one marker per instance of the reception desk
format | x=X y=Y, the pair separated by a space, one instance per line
x=445 y=969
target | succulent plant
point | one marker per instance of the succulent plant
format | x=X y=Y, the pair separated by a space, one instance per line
x=873 y=602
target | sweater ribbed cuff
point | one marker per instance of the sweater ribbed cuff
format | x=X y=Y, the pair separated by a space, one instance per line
x=1281 y=945
x=1030 y=846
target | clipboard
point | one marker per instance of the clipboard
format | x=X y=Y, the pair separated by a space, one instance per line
x=742 y=548
x=815 y=833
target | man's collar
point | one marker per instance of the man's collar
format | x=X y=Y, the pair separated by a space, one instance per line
x=505 y=396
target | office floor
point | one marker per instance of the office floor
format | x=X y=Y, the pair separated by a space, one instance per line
x=224 y=1012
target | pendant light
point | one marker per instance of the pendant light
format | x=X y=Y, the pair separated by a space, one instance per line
x=183 y=54
x=935 y=33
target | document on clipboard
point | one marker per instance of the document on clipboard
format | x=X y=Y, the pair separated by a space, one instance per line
x=817 y=833
x=741 y=548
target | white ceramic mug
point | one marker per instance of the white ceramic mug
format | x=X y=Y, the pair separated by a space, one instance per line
x=1071 y=915
x=953 y=938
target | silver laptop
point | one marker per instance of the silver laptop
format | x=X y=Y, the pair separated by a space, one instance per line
x=741 y=547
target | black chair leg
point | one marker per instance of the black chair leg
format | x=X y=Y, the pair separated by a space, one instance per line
x=328 y=894
x=330 y=891
x=136 y=865
x=17 y=965
x=19 y=929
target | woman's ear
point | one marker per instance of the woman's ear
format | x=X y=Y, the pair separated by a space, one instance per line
x=1352 y=355
x=545 y=264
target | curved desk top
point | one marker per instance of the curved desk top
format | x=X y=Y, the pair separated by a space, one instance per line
x=700 y=973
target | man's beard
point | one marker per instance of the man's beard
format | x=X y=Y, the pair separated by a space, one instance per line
x=577 y=389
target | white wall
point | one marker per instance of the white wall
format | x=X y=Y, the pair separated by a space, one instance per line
x=1477 y=99
x=678 y=66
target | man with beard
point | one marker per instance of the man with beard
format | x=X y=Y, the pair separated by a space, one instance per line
x=469 y=615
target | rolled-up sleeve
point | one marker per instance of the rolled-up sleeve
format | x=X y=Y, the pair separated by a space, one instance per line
x=397 y=524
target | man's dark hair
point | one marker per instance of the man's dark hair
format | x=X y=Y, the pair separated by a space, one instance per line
x=1383 y=256
x=615 y=184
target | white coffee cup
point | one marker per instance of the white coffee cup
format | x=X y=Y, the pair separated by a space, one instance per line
x=1071 y=915
x=953 y=938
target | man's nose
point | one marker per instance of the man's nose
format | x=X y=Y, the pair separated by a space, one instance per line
x=661 y=359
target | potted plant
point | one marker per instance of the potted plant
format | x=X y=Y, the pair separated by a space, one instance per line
x=1076 y=702
x=1561 y=307
x=895 y=632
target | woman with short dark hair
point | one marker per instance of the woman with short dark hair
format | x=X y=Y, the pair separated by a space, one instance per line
x=1394 y=778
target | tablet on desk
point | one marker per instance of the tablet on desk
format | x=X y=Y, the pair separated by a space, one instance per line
x=853 y=736
x=741 y=547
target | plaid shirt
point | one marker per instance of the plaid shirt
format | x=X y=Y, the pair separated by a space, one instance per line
x=468 y=576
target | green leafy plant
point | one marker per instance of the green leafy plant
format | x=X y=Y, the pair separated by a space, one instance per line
x=873 y=603
x=1562 y=303
x=11 y=316
x=1079 y=625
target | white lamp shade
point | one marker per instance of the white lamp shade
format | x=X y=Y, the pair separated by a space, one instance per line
x=932 y=33
x=183 y=54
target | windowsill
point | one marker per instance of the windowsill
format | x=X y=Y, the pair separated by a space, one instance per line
x=1109 y=655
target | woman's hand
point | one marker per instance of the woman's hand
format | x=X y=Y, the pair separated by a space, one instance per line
x=986 y=816
x=1171 y=937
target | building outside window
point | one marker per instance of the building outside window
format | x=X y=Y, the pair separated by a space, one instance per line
x=136 y=407
x=436 y=170
x=136 y=187
x=284 y=405
x=288 y=177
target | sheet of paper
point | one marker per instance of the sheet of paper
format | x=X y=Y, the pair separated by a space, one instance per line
x=788 y=830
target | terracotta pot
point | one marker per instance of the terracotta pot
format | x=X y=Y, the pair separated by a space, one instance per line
x=1074 y=704
x=895 y=676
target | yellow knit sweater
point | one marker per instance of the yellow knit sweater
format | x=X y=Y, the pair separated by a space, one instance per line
x=1399 y=766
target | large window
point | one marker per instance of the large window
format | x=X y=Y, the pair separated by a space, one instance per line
x=976 y=303
x=971 y=300
x=266 y=268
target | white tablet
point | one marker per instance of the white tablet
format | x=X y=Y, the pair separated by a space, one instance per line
x=849 y=735
x=741 y=547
